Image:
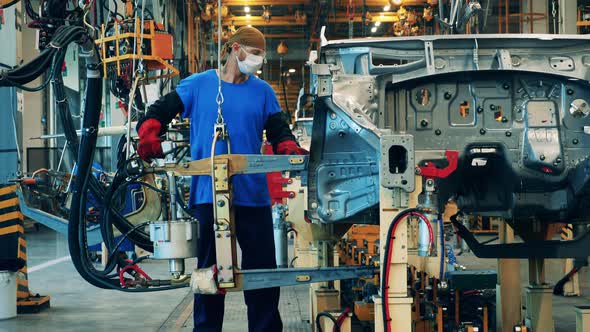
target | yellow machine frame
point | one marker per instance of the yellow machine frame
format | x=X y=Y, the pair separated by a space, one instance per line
x=159 y=43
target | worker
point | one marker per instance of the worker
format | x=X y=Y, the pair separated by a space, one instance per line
x=249 y=107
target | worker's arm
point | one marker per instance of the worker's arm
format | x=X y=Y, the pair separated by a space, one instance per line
x=277 y=129
x=154 y=124
x=163 y=110
x=280 y=136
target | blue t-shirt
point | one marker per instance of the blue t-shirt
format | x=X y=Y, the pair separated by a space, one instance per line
x=246 y=108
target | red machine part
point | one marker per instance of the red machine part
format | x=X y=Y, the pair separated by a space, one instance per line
x=136 y=272
x=276 y=181
x=429 y=170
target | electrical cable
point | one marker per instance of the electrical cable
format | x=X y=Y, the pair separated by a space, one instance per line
x=123 y=238
x=387 y=258
x=114 y=13
x=120 y=182
x=285 y=91
x=329 y=316
x=341 y=319
x=558 y=289
x=9 y=4
x=30 y=11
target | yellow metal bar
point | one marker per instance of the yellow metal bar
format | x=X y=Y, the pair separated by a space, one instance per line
x=11 y=229
x=9 y=203
x=22 y=295
x=11 y=216
x=138 y=40
x=7 y=190
x=122 y=36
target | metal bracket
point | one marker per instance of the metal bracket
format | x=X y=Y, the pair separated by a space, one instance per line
x=429 y=56
x=222 y=129
x=431 y=171
x=397 y=162
x=224 y=241
x=324 y=86
x=504 y=59
x=221 y=175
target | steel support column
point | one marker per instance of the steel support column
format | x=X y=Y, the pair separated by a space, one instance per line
x=400 y=304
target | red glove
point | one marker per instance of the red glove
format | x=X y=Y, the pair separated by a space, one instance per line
x=149 y=140
x=290 y=148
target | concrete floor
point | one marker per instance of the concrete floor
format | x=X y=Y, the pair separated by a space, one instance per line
x=78 y=306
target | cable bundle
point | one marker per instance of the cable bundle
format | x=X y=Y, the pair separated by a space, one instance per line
x=50 y=59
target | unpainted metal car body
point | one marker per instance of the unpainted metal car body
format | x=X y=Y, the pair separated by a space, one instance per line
x=515 y=107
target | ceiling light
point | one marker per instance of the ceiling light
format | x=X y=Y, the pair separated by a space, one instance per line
x=259 y=72
x=397 y=2
x=248 y=16
x=386 y=8
x=373 y=29
x=292 y=70
x=247 y=9
x=378 y=23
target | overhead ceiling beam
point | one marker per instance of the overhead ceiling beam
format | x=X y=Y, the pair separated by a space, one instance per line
x=266 y=2
x=284 y=36
x=382 y=3
x=258 y=21
x=385 y=17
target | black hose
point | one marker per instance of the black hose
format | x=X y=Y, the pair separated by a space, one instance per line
x=558 y=288
x=30 y=11
x=124 y=237
x=77 y=240
x=111 y=216
x=106 y=227
x=328 y=315
x=9 y=4
x=65 y=115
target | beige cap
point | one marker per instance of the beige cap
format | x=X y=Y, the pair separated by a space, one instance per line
x=246 y=36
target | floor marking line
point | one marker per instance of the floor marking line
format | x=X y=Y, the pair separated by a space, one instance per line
x=186 y=313
x=49 y=263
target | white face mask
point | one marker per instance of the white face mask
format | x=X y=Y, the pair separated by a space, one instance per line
x=251 y=64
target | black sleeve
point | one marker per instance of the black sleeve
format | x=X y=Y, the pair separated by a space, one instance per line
x=164 y=110
x=277 y=129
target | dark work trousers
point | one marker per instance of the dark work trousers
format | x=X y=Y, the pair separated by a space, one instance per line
x=254 y=232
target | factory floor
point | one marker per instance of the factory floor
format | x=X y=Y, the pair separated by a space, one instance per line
x=78 y=306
